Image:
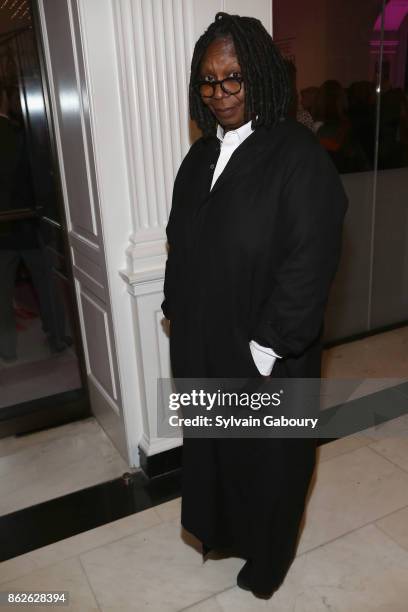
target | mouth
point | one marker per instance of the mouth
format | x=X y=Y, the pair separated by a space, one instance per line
x=224 y=111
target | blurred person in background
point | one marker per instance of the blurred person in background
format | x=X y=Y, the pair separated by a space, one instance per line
x=20 y=236
x=334 y=128
x=308 y=97
x=295 y=109
x=393 y=135
x=362 y=114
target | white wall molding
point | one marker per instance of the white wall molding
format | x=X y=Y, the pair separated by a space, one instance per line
x=154 y=40
x=152 y=446
x=145 y=259
x=145 y=262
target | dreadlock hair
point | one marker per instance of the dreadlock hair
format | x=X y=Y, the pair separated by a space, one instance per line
x=266 y=79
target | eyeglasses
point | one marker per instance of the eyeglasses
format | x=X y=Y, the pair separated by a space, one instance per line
x=230 y=85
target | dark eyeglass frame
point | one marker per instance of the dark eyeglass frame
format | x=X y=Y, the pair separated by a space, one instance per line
x=221 y=82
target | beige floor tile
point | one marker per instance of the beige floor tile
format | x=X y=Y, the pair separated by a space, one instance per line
x=14 y=444
x=396 y=526
x=363 y=571
x=391 y=440
x=349 y=491
x=18 y=566
x=65 y=576
x=341 y=446
x=170 y=510
x=395 y=449
x=80 y=543
x=380 y=356
x=155 y=570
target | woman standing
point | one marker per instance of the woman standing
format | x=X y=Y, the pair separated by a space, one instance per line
x=254 y=240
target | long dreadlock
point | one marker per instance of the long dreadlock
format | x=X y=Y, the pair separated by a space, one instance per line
x=266 y=79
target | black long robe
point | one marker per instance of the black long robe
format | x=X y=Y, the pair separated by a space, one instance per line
x=253 y=258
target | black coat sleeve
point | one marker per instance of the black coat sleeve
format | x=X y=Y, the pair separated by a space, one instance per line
x=171 y=263
x=311 y=215
x=164 y=305
x=171 y=270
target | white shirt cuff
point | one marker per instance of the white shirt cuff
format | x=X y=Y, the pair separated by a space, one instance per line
x=264 y=357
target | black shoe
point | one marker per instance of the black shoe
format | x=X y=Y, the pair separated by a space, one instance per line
x=244 y=581
x=244 y=576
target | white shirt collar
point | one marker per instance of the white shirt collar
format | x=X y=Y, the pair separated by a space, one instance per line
x=242 y=132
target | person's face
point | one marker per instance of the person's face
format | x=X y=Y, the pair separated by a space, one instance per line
x=219 y=62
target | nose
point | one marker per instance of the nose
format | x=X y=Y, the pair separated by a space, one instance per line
x=219 y=92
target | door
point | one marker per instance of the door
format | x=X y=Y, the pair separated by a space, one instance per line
x=66 y=75
x=42 y=374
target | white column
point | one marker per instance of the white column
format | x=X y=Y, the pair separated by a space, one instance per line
x=155 y=42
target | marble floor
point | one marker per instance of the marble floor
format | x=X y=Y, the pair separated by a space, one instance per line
x=352 y=554
x=379 y=356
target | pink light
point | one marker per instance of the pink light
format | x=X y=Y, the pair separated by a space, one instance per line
x=394 y=14
x=386 y=43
